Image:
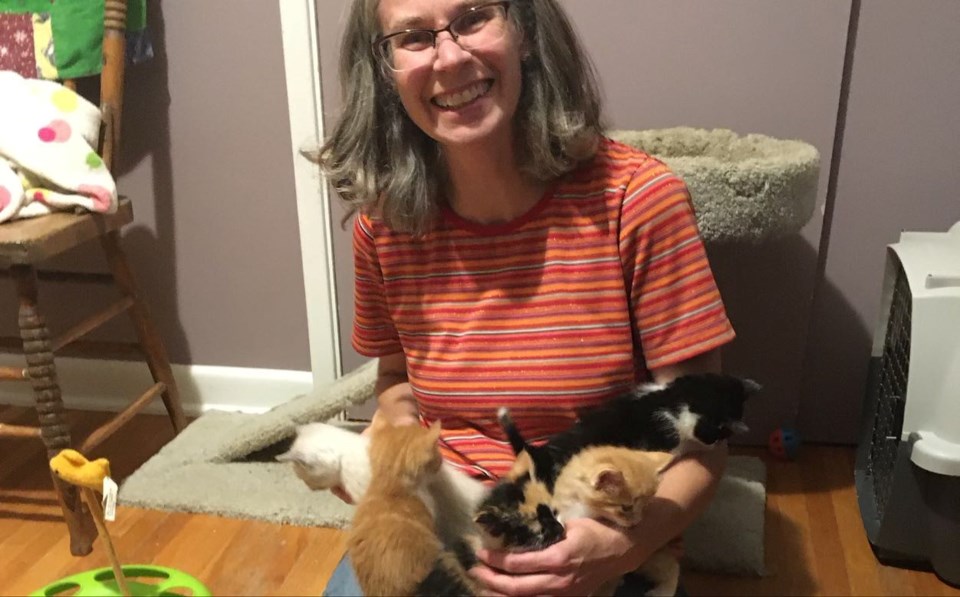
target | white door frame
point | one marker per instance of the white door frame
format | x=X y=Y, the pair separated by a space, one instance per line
x=301 y=59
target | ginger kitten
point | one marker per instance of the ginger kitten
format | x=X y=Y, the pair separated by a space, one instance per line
x=393 y=543
x=614 y=484
x=608 y=483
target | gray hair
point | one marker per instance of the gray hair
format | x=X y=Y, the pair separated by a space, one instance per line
x=378 y=159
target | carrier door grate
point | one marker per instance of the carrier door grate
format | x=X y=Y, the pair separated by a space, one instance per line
x=891 y=393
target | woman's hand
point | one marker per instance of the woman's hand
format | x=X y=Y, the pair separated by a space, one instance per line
x=591 y=555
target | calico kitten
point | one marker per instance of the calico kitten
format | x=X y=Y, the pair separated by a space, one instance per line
x=325 y=456
x=515 y=516
x=393 y=544
x=691 y=412
x=615 y=484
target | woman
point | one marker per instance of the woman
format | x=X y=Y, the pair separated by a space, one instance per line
x=506 y=253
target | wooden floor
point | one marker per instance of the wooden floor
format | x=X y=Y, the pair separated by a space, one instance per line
x=814 y=542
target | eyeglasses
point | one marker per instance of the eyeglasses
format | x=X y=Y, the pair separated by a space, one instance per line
x=473 y=29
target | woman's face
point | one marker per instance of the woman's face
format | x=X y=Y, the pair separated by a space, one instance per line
x=461 y=98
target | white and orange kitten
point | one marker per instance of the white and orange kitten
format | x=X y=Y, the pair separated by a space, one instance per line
x=325 y=456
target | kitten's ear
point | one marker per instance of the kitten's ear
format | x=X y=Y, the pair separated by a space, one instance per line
x=660 y=460
x=751 y=387
x=290 y=456
x=608 y=480
x=738 y=427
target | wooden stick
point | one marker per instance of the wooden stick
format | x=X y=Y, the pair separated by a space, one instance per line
x=91 y=323
x=82 y=348
x=68 y=277
x=93 y=502
x=19 y=431
x=12 y=374
x=111 y=426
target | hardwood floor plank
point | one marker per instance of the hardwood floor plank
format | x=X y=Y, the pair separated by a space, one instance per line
x=828 y=554
x=310 y=573
x=250 y=565
x=794 y=560
x=864 y=572
x=199 y=545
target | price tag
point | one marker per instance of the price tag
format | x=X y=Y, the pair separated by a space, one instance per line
x=110 y=489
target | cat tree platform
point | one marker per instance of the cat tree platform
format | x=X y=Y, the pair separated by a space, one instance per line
x=751 y=188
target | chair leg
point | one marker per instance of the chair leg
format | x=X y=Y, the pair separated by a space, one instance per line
x=53 y=425
x=147 y=332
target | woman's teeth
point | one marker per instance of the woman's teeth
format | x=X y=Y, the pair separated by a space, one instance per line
x=456 y=100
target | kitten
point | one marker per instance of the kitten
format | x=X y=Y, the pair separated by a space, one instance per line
x=515 y=516
x=393 y=544
x=690 y=413
x=326 y=456
x=614 y=485
x=608 y=483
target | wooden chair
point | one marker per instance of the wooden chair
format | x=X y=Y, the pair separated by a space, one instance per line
x=26 y=243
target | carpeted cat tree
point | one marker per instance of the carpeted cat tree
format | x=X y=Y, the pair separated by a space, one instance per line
x=745 y=189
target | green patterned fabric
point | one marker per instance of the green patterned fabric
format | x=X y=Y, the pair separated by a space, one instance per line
x=77 y=30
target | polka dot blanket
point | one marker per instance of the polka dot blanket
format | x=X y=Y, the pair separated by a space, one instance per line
x=47 y=160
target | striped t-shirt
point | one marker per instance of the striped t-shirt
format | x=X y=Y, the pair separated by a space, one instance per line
x=560 y=309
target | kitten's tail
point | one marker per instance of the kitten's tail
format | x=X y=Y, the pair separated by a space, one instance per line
x=513 y=434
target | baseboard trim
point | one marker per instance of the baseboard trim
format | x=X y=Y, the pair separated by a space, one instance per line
x=104 y=385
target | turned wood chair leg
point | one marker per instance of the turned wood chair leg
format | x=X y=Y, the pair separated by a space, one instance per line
x=147 y=332
x=46 y=389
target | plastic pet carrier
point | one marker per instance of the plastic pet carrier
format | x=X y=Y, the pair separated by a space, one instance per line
x=908 y=459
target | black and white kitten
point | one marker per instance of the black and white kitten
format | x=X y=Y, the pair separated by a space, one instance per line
x=690 y=413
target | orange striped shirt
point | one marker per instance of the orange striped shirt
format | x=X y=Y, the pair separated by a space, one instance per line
x=570 y=304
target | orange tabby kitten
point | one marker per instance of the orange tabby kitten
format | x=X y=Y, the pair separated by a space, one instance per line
x=614 y=484
x=393 y=543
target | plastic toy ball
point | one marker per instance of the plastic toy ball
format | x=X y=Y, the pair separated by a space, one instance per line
x=141 y=580
x=784 y=443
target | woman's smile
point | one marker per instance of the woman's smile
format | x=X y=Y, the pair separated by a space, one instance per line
x=460 y=98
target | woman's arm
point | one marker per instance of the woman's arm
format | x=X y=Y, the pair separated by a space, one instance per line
x=593 y=553
x=395 y=400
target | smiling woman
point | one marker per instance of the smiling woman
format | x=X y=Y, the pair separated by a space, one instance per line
x=377 y=154
x=508 y=254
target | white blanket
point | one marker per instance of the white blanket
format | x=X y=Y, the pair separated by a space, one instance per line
x=47 y=157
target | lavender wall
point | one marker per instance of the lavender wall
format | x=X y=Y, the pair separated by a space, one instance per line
x=898 y=171
x=206 y=161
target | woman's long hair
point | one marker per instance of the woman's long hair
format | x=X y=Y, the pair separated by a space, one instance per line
x=377 y=158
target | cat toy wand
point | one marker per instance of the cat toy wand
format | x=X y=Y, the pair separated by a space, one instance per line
x=89 y=476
